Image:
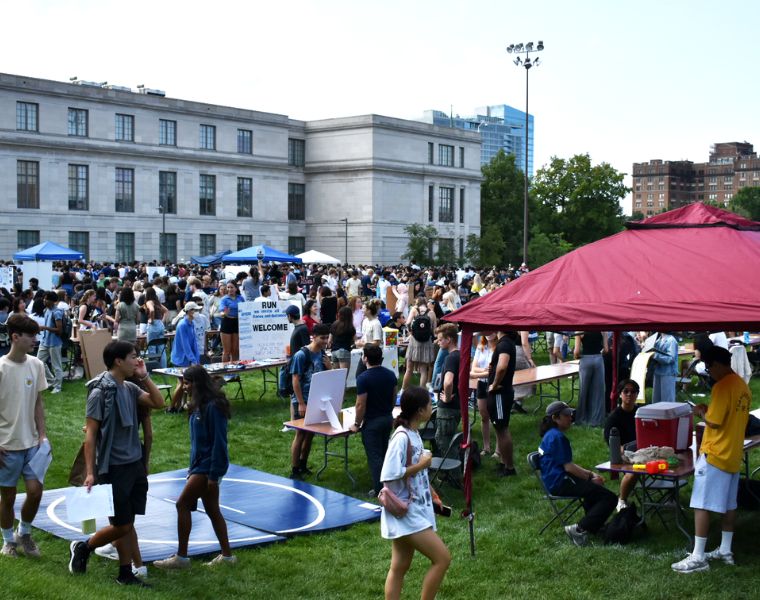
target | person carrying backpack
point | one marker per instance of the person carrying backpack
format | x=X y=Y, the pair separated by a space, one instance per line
x=421 y=352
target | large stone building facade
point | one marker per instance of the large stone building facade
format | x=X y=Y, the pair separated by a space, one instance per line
x=107 y=171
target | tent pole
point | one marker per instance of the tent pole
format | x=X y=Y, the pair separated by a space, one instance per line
x=464 y=398
x=615 y=353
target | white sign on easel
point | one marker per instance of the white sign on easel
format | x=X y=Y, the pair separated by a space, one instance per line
x=325 y=398
x=41 y=270
x=6 y=278
x=390 y=361
x=264 y=330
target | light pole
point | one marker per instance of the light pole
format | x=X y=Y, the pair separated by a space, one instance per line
x=526 y=49
x=162 y=210
x=345 y=220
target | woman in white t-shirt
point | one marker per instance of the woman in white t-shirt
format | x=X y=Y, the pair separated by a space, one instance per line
x=372 y=330
x=479 y=371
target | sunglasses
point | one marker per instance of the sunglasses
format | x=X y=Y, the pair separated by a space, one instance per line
x=629 y=391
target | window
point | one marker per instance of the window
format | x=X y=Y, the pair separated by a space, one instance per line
x=167 y=192
x=431 y=202
x=431 y=241
x=208 y=137
x=78 y=122
x=461 y=248
x=461 y=205
x=125 y=128
x=296 y=245
x=208 y=244
x=27 y=116
x=125 y=246
x=78 y=187
x=125 y=190
x=27 y=184
x=245 y=198
x=244 y=241
x=245 y=141
x=430 y=152
x=296 y=202
x=26 y=239
x=461 y=157
x=80 y=241
x=296 y=152
x=445 y=155
x=167 y=132
x=445 y=204
x=167 y=245
x=208 y=197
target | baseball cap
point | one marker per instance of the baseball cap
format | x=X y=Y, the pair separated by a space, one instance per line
x=191 y=306
x=558 y=408
x=292 y=311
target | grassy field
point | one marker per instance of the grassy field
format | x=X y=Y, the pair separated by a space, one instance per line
x=512 y=560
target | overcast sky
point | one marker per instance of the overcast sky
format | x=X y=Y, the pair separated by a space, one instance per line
x=625 y=81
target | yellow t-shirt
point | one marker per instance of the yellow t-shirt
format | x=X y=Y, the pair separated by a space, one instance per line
x=729 y=409
x=19 y=385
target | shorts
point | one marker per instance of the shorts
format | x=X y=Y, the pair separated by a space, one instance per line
x=500 y=408
x=229 y=325
x=340 y=355
x=296 y=414
x=714 y=489
x=16 y=466
x=130 y=491
x=482 y=390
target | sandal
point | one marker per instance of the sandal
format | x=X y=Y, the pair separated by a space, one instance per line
x=485 y=452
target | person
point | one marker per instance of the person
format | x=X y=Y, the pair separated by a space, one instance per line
x=500 y=397
x=716 y=473
x=479 y=371
x=408 y=479
x=666 y=368
x=328 y=308
x=127 y=316
x=420 y=352
x=623 y=418
x=372 y=331
x=292 y=293
x=229 y=329
x=185 y=352
x=22 y=433
x=252 y=283
x=449 y=413
x=353 y=284
x=308 y=360
x=356 y=305
x=401 y=291
x=209 y=412
x=113 y=453
x=342 y=335
x=589 y=346
x=52 y=344
x=155 y=312
x=311 y=315
x=450 y=299
x=523 y=360
x=375 y=399
x=563 y=477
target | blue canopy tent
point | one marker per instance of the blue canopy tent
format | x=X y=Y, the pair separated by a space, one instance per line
x=211 y=259
x=251 y=255
x=48 y=251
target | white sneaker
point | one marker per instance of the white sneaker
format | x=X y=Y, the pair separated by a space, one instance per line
x=716 y=554
x=107 y=551
x=140 y=572
x=220 y=559
x=621 y=505
x=579 y=538
x=173 y=562
x=690 y=564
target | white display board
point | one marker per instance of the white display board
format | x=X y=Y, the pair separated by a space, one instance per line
x=7 y=277
x=42 y=270
x=231 y=271
x=154 y=270
x=325 y=398
x=264 y=330
x=390 y=361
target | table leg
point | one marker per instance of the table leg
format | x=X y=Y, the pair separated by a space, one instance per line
x=343 y=455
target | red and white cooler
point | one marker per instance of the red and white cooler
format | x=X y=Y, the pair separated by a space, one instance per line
x=664 y=424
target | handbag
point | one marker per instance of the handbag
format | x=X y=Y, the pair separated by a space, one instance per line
x=388 y=499
x=78 y=472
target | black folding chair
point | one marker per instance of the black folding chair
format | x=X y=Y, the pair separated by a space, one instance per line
x=152 y=355
x=564 y=507
x=427 y=432
x=448 y=467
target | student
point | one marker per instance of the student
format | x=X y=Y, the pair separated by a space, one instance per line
x=449 y=413
x=623 y=418
x=416 y=529
x=113 y=453
x=209 y=412
x=184 y=351
x=22 y=432
x=51 y=344
x=500 y=399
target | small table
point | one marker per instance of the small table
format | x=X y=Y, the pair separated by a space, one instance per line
x=547 y=374
x=328 y=434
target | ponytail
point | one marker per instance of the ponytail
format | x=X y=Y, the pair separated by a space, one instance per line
x=545 y=425
x=412 y=400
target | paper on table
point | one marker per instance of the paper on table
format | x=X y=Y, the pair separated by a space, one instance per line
x=41 y=461
x=81 y=505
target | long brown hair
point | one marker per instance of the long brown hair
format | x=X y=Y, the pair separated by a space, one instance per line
x=205 y=391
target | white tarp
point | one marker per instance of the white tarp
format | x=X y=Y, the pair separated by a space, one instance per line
x=312 y=256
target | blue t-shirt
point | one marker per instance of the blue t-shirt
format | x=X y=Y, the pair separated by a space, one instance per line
x=232 y=304
x=378 y=383
x=305 y=364
x=555 y=453
x=48 y=337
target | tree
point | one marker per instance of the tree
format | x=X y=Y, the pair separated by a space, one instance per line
x=545 y=247
x=579 y=200
x=472 y=250
x=418 y=246
x=445 y=254
x=746 y=203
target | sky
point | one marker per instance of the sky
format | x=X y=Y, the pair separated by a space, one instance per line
x=624 y=81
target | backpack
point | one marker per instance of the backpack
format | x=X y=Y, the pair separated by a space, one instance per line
x=621 y=527
x=67 y=328
x=422 y=328
x=285 y=379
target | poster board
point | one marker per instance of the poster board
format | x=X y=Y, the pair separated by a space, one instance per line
x=42 y=270
x=264 y=329
x=390 y=300
x=92 y=342
x=231 y=271
x=326 y=398
x=390 y=361
x=7 y=277
x=154 y=270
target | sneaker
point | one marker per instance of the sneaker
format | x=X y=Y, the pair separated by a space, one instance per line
x=80 y=554
x=691 y=564
x=131 y=580
x=56 y=390
x=621 y=505
x=716 y=554
x=141 y=572
x=496 y=455
x=296 y=473
x=173 y=562
x=27 y=544
x=107 y=551
x=286 y=429
x=579 y=538
x=9 y=549
x=220 y=559
x=503 y=471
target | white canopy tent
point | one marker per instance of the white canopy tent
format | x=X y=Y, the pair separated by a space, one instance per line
x=312 y=256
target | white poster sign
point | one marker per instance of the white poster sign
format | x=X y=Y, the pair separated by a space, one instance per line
x=231 y=271
x=326 y=398
x=264 y=330
x=6 y=278
x=390 y=361
x=154 y=270
x=42 y=271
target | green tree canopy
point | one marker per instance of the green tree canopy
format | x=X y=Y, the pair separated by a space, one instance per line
x=746 y=203
x=418 y=246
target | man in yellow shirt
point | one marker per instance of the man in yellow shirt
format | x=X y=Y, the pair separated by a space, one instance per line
x=716 y=474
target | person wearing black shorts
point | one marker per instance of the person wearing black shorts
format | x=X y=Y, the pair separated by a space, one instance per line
x=501 y=398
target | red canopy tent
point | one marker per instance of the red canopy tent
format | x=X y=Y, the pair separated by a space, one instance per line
x=695 y=268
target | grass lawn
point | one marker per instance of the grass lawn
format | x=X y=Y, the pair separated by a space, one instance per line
x=512 y=560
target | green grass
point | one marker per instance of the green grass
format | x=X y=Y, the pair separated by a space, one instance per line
x=512 y=560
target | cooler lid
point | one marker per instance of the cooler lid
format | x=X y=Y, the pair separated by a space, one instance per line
x=664 y=410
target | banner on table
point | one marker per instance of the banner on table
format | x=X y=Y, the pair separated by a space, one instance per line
x=6 y=278
x=264 y=330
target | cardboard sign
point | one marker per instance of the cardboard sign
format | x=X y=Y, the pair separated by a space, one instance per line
x=264 y=330
x=6 y=278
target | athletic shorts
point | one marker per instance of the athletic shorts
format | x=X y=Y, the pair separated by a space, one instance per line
x=714 y=489
x=340 y=355
x=16 y=466
x=482 y=390
x=130 y=491
x=500 y=408
x=229 y=325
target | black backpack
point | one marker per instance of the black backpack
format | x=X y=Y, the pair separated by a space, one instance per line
x=285 y=380
x=422 y=328
x=67 y=328
x=621 y=527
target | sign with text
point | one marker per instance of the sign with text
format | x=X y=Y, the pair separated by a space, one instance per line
x=264 y=329
x=6 y=278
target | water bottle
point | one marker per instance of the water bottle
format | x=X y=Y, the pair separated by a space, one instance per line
x=615 y=455
x=746 y=337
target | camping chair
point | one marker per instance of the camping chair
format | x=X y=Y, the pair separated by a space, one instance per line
x=448 y=467
x=564 y=507
x=154 y=351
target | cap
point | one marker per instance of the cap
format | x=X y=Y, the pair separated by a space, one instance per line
x=292 y=311
x=558 y=408
x=191 y=306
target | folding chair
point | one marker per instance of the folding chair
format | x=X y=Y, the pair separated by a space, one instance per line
x=657 y=494
x=564 y=507
x=232 y=379
x=444 y=466
x=154 y=351
x=427 y=433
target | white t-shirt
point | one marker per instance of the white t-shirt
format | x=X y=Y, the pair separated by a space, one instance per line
x=353 y=286
x=19 y=385
x=372 y=331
